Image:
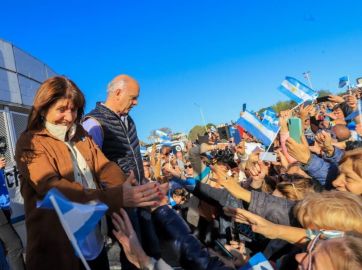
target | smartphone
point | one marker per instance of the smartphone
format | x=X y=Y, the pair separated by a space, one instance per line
x=223 y=249
x=322 y=99
x=295 y=129
x=268 y=156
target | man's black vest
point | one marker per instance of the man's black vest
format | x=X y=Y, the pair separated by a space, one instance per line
x=120 y=143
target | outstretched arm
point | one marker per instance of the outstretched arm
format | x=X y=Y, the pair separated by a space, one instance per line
x=268 y=229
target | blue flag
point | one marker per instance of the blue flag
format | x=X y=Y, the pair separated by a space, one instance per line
x=4 y=194
x=81 y=219
x=355 y=113
x=257 y=262
x=256 y=128
x=296 y=90
x=343 y=81
x=270 y=119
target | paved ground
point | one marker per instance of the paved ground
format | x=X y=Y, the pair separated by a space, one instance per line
x=113 y=257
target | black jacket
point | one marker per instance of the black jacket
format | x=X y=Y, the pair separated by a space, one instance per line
x=120 y=142
x=190 y=253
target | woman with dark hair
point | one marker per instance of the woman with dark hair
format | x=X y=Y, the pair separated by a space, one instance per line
x=56 y=152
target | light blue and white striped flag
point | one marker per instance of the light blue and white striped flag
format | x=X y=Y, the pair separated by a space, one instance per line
x=343 y=81
x=270 y=119
x=257 y=262
x=76 y=218
x=296 y=90
x=164 y=137
x=256 y=128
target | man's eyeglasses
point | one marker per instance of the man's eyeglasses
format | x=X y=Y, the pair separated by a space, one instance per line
x=188 y=166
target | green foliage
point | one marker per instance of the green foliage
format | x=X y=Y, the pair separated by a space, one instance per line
x=195 y=132
x=284 y=105
x=323 y=93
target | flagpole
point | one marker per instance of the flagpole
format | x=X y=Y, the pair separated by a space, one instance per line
x=202 y=115
x=349 y=87
x=68 y=232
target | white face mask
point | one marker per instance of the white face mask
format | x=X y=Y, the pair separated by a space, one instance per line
x=60 y=131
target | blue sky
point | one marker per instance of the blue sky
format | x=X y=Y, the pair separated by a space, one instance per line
x=218 y=54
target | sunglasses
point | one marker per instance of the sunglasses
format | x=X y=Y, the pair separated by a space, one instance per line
x=188 y=166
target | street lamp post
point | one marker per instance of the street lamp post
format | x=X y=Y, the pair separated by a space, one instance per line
x=307 y=77
x=202 y=114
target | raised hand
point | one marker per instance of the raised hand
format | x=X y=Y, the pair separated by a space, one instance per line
x=351 y=101
x=283 y=120
x=336 y=99
x=126 y=235
x=2 y=163
x=325 y=140
x=140 y=195
x=298 y=151
x=257 y=223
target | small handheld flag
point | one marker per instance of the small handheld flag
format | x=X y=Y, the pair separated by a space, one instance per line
x=270 y=119
x=163 y=136
x=78 y=220
x=296 y=90
x=343 y=81
x=256 y=128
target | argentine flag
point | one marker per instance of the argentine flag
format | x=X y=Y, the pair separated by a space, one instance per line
x=256 y=128
x=257 y=262
x=77 y=219
x=343 y=81
x=164 y=137
x=270 y=119
x=296 y=90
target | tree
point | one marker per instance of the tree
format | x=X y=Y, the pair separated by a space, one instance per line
x=195 y=132
x=284 y=105
x=323 y=93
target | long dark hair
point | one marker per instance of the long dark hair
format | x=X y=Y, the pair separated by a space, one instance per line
x=49 y=92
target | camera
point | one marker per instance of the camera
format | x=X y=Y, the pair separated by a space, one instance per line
x=225 y=156
x=3 y=146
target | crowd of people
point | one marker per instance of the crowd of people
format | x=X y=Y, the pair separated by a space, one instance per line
x=213 y=205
